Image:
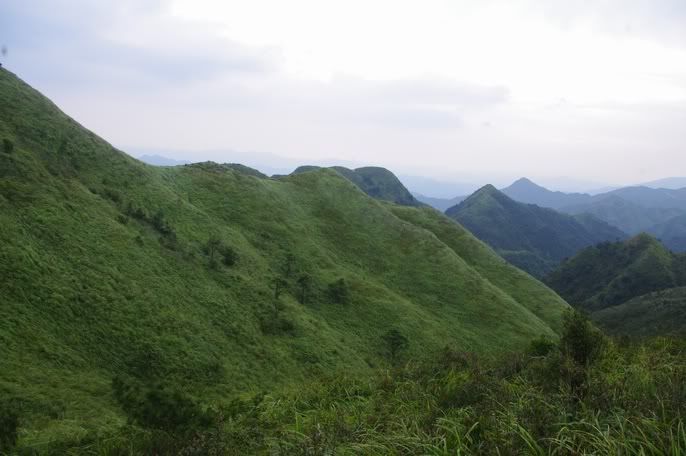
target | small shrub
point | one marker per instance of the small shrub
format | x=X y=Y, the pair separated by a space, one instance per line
x=229 y=255
x=160 y=407
x=541 y=346
x=275 y=325
x=7 y=146
x=580 y=340
x=9 y=423
x=339 y=292
x=394 y=344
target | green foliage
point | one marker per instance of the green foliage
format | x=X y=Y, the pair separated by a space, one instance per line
x=9 y=423
x=395 y=343
x=339 y=291
x=461 y=403
x=304 y=286
x=7 y=146
x=580 y=340
x=610 y=274
x=542 y=346
x=159 y=407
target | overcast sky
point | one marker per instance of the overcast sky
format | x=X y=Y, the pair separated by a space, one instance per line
x=592 y=90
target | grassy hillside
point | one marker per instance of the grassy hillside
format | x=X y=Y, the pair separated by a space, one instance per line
x=376 y=182
x=215 y=280
x=654 y=314
x=612 y=273
x=533 y=238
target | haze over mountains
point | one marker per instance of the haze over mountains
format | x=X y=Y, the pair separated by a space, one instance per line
x=533 y=238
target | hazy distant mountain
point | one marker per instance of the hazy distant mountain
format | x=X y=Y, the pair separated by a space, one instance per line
x=375 y=181
x=630 y=217
x=668 y=182
x=672 y=233
x=651 y=197
x=533 y=238
x=439 y=203
x=159 y=160
x=525 y=191
x=436 y=188
x=610 y=274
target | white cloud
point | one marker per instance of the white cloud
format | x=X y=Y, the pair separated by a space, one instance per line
x=597 y=89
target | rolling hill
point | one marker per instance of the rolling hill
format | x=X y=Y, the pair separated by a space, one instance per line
x=216 y=279
x=533 y=238
x=658 y=313
x=376 y=182
x=610 y=274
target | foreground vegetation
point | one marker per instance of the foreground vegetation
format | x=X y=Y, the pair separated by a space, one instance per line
x=582 y=395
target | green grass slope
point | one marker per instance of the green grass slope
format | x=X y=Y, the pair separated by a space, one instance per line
x=610 y=274
x=111 y=267
x=376 y=182
x=654 y=314
x=533 y=238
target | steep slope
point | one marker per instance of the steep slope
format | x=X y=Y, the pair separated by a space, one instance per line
x=376 y=182
x=533 y=238
x=630 y=217
x=654 y=314
x=216 y=280
x=610 y=274
x=672 y=233
x=524 y=190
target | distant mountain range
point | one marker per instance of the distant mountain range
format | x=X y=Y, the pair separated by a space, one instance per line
x=533 y=238
x=159 y=160
x=658 y=211
x=439 y=203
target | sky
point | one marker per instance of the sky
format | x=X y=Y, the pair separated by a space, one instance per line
x=591 y=92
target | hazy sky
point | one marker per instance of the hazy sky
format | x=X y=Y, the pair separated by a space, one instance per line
x=593 y=90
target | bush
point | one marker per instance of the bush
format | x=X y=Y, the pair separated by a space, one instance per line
x=229 y=255
x=9 y=423
x=156 y=406
x=394 y=343
x=7 y=146
x=580 y=340
x=339 y=292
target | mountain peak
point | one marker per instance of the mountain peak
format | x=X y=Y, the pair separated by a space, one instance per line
x=525 y=182
x=487 y=189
